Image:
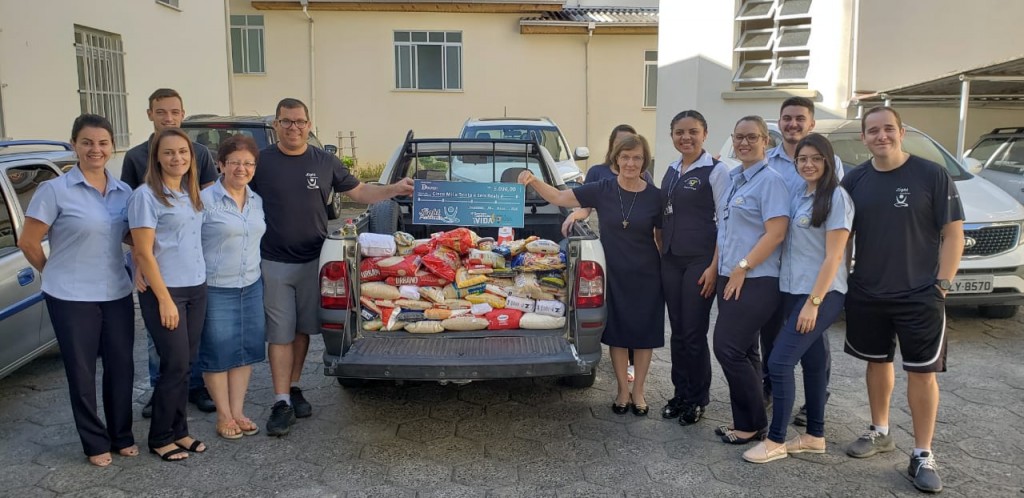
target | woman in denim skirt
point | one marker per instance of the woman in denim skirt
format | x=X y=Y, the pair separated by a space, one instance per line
x=233 y=337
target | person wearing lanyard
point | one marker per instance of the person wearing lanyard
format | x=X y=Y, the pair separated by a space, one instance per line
x=629 y=210
x=234 y=331
x=796 y=121
x=165 y=215
x=88 y=293
x=752 y=225
x=691 y=190
x=813 y=284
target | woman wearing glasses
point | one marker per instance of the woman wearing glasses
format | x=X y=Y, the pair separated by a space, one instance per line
x=752 y=223
x=233 y=335
x=813 y=284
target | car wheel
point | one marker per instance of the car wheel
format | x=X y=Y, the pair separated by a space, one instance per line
x=334 y=206
x=581 y=381
x=998 y=311
x=350 y=383
x=385 y=217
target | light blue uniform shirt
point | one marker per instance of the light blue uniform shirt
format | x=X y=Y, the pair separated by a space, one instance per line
x=786 y=166
x=719 y=177
x=757 y=195
x=231 y=238
x=86 y=261
x=804 y=249
x=178 y=247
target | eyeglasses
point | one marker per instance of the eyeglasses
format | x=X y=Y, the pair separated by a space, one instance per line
x=816 y=159
x=751 y=138
x=287 y=123
x=235 y=164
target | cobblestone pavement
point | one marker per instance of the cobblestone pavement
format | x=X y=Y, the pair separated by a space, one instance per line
x=530 y=437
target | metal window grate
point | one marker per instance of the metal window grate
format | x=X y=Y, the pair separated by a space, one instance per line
x=991 y=240
x=101 y=87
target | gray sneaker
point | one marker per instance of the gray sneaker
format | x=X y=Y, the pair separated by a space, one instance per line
x=871 y=442
x=923 y=470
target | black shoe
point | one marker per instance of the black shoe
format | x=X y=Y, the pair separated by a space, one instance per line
x=281 y=419
x=640 y=410
x=302 y=407
x=201 y=398
x=673 y=408
x=922 y=469
x=800 y=419
x=691 y=414
x=147 y=411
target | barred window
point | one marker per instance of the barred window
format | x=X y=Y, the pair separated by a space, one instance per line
x=247 y=52
x=428 y=60
x=772 y=43
x=101 y=88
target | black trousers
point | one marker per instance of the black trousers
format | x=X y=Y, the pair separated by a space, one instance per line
x=689 y=313
x=736 y=347
x=85 y=331
x=770 y=332
x=177 y=350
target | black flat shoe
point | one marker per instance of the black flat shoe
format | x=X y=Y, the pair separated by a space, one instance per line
x=722 y=430
x=641 y=410
x=731 y=437
x=623 y=408
x=673 y=408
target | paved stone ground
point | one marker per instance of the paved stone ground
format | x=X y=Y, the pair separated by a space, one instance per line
x=530 y=438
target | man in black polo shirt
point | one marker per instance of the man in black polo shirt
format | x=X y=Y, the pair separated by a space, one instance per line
x=295 y=181
x=909 y=237
x=167 y=111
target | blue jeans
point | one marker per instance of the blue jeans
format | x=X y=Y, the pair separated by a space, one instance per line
x=811 y=350
x=195 y=378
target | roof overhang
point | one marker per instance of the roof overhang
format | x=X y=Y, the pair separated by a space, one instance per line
x=1000 y=82
x=456 y=6
x=596 y=20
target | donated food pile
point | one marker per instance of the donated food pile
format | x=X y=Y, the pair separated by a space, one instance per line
x=458 y=281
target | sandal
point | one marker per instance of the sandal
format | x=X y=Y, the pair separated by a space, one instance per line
x=101 y=460
x=228 y=430
x=167 y=457
x=129 y=451
x=247 y=426
x=732 y=437
x=194 y=447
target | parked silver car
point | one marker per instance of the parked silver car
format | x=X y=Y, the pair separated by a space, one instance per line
x=1001 y=154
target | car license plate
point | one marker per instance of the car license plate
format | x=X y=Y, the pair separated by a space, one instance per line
x=974 y=284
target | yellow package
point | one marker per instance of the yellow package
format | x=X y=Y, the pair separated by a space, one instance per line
x=463 y=279
x=491 y=299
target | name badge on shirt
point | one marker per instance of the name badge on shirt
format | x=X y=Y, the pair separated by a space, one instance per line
x=668 y=209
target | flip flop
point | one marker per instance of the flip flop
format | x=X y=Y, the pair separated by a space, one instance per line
x=229 y=430
x=167 y=456
x=194 y=447
x=247 y=426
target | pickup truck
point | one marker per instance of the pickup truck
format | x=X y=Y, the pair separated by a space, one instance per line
x=354 y=355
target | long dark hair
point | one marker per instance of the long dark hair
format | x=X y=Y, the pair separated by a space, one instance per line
x=155 y=171
x=608 y=159
x=827 y=183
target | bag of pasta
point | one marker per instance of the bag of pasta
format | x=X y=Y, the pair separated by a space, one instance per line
x=460 y=239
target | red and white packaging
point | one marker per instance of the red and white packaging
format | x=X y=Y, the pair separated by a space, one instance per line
x=505 y=234
x=503 y=319
x=369 y=271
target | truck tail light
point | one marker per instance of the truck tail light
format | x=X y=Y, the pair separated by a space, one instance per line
x=590 y=285
x=334 y=286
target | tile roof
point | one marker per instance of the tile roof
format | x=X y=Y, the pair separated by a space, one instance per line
x=597 y=15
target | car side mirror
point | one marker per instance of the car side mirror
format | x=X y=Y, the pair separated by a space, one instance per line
x=331 y=149
x=973 y=165
x=581 y=153
x=573 y=184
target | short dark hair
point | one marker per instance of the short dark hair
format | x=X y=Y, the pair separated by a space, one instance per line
x=880 y=108
x=622 y=128
x=798 y=101
x=689 y=114
x=235 y=143
x=91 y=121
x=829 y=180
x=164 y=93
x=290 y=103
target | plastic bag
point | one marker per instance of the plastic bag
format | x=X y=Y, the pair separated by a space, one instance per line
x=460 y=239
x=375 y=244
x=503 y=319
x=464 y=323
x=432 y=294
x=422 y=279
x=542 y=246
x=550 y=308
x=491 y=299
x=541 y=322
x=413 y=304
x=442 y=261
x=532 y=261
x=369 y=271
x=409 y=292
x=524 y=304
x=425 y=327
x=464 y=280
x=399 y=266
x=486 y=258
x=379 y=290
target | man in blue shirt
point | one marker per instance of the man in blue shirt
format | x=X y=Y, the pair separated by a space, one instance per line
x=166 y=110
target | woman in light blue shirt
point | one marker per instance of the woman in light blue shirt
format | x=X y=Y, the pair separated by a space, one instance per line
x=234 y=333
x=813 y=283
x=166 y=217
x=87 y=289
x=752 y=222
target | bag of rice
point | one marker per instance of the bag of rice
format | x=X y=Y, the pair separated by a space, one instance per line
x=491 y=299
x=373 y=325
x=369 y=271
x=414 y=304
x=399 y=266
x=442 y=261
x=542 y=246
x=541 y=322
x=462 y=323
x=461 y=239
x=481 y=309
x=379 y=290
x=432 y=294
x=551 y=308
x=503 y=319
x=409 y=292
x=523 y=304
x=425 y=327
x=456 y=304
x=437 y=314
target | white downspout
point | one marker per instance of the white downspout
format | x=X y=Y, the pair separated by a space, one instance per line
x=853 y=51
x=961 y=131
x=230 y=66
x=312 y=67
x=586 y=86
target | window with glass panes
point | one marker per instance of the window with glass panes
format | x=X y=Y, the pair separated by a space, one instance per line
x=101 y=88
x=772 y=45
x=170 y=3
x=650 y=78
x=247 y=45
x=428 y=60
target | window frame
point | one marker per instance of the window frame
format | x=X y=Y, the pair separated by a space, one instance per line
x=750 y=32
x=103 y=92
x=650 y=65
x=797 y=48
x=411 y=46
x=779 y=25
x=172 y=4
x=747 y=3
x=3 y=126
x=779 y=62
x=767 y=74
x=246 y=32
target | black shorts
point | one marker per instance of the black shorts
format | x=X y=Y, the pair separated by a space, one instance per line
x=918 y=320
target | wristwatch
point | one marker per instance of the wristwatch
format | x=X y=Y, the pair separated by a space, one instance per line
x=815 y=300
x=944 y=284
x=744 y=264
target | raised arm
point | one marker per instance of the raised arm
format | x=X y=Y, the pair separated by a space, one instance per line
x=562 y=198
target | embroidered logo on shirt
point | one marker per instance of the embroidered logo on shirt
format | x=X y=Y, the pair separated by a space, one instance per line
x=692 y=183
x=901 y=197
x=738 y=201
x=312 y=181
x=803 y=221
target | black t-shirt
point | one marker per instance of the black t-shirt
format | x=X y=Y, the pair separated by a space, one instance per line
x=136 y=162
x=295 y=190
x=898 y=225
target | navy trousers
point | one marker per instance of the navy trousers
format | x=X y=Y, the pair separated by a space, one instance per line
x=86 y=331
x=736 y=347
x=689 y=313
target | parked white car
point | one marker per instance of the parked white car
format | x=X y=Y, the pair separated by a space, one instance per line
x=991 y=274
x=542 y=129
